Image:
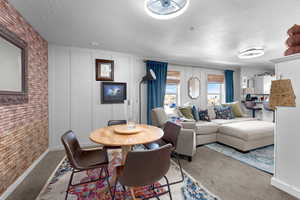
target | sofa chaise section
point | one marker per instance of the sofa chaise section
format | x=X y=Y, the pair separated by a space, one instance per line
x=247 y=135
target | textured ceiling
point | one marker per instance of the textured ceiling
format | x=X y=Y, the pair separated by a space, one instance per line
x=209 y=33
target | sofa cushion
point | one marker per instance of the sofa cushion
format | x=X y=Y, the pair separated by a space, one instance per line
x=187 y=112
x=228 y=121
x=211 y=112
x=205 y=128
x=195 y=113
x=159 y=117
x=223 y=112
x=248 y=130
x=203 y=115
x=236 y=108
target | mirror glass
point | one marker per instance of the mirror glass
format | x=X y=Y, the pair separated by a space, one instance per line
x=10 y=67
x=194 y=88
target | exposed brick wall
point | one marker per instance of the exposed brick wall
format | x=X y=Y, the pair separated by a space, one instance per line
x=24 y=128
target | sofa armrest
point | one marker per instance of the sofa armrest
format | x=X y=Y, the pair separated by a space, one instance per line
x=186 y=142
x=189 y=125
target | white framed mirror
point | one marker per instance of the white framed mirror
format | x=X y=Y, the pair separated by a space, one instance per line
x=194 y=87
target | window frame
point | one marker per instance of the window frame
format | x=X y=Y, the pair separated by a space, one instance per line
x=221 y=90
x=177 y=93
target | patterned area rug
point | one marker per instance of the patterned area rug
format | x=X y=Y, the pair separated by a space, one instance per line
x=57 y=184
x=262 y=158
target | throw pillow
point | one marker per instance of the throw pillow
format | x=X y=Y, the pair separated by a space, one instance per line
x=211 y=112
x=223 y=112
x=203 y=115
x=178 y=112
x=236 y=108
x=187 y=112
x=195 y=113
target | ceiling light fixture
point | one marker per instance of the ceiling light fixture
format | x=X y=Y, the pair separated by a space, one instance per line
x=94 y=44
x=252 y=52
x=166 y=9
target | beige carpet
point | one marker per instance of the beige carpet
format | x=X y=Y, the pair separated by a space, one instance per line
x=231 y=179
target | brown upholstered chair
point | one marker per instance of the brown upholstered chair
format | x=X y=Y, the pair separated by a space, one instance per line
x=116 y=122
x=171 y=133
x=113 y=123
x=84 y=159
x=144 y=168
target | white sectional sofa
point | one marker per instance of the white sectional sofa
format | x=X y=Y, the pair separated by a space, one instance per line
x=242 y=133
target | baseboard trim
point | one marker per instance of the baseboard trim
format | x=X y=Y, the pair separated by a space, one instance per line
x=286 y=187
x=13 y=186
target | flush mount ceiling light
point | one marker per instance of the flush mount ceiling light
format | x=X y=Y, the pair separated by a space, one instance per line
x=165 y=9
x=252 y=52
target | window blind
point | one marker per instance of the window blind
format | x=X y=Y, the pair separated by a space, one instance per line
x=173 y=77
x=215 y=78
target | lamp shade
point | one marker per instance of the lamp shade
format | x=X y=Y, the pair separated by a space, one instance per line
x=149 y=76
x=282 y=94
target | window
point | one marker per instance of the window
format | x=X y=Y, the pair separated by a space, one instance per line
x=215 y=89
x=172 y=91
x=171 y=94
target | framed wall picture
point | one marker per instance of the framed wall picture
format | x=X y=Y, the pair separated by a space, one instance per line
x=113 y=92
x=104 y=70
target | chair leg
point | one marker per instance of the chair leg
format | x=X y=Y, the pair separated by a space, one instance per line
x=115 y=188
x=107 y=180
x=181 y=171
x=70 y=183
x=168 y=187
x=101 y=172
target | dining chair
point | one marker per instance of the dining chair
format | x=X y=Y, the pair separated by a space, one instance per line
x=113 y=123
x=116 y=122
x=132 y=174
x=84 y=159
x=171 y=133
x=268 y=108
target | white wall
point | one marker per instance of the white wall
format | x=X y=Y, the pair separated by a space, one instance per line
x=74 y=95
x=186 y=72
x=287 y=135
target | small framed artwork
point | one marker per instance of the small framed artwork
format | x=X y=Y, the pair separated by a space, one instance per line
x=113 y=92
x=104 y=70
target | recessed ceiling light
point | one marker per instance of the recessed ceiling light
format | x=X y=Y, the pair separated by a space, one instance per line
x=94 y=44
x=252 y=52
x=166 y=9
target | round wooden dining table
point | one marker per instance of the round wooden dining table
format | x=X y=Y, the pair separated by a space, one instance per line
x=109 y=137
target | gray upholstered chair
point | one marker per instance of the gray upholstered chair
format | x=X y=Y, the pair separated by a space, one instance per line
x=186 y=140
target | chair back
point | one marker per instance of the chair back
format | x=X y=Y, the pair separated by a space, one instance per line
x=171 y=132
x=159 y=117
x=146 y=167
x=250 y=104
x=267 y=106
x=116 y=122
x=72 y=147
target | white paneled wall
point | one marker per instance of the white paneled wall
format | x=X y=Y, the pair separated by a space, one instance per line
x=74 y=95
x=187 y=72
